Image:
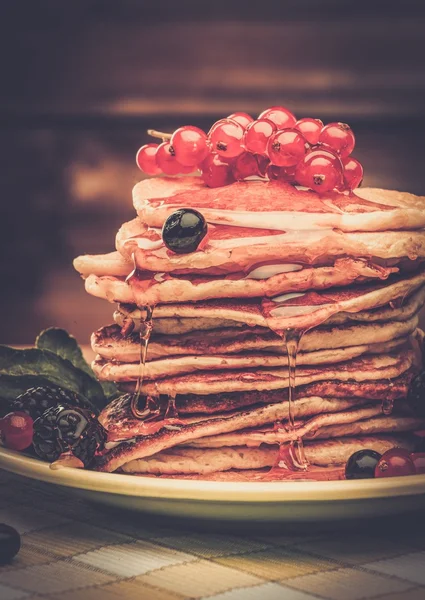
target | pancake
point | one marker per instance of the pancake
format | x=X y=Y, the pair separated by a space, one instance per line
x=211 y=314
x=171 y=325
x=138 y=439
x=112 y=263
x=377 y=390
x=365 y=368
x=300 y=309
x=240 y=249
x=111 y=370
x=109 y=342
x=277 y=205
x=314 y=473
x=369 y=422
x=151 y=289
x=208 y=460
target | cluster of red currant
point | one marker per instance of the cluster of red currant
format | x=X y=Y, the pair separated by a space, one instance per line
x=274 y=146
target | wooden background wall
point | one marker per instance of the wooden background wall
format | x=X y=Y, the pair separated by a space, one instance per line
x=82 y=80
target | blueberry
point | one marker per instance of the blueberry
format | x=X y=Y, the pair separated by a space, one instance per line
x=10 y=543
x=183 y=230
x=361 y=464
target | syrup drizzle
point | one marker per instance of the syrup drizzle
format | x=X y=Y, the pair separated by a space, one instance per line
x=171 y=409
x=295 y=449
x=151 y=407
x=387 y=406
x=291 y=455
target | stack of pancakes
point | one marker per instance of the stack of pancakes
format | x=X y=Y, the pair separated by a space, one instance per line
x=346 y=269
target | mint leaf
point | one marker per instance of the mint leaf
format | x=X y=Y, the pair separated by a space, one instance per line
x=12 y=387
x=110 y=390
x=63 y=344
x=53 y=368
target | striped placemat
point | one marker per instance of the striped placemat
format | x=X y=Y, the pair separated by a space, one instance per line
x=75 y=550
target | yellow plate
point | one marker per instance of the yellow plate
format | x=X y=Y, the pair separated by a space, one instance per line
x=256 y=501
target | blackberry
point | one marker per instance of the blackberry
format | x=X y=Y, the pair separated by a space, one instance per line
x=416 y=395
x=66 y=428
x=35 y=401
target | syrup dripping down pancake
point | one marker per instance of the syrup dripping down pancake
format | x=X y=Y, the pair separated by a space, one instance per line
x=231 y=249
x=111 y=344
x=136 y=439
x=301 y=308
x=187 y=404
x=173 y=366
x=212 y=314
x=197 y=420
x=147 y=288
x=365 y=368
x=367 y=421
x=276 y=205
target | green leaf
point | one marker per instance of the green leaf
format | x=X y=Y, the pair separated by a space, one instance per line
x=53 y=368
x=110 y=390
x=12 y=387
x=63 y=344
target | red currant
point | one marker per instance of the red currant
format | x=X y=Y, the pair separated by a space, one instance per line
x=353 y=172
x=310 y=128
x=16 y=430
x=216 y=172
x=286 y=148
x=395 y=462
x=338 y=136
x=257 y=135
x=226 y=138
x=263 y=162
x=242 y=118
x=273 y=172
x=286 y=174
x=146 y=161
x=167 y=162
x=418 y=459
x=280 y=116
x=320 y=171
x=245 y=165
x=190 y=145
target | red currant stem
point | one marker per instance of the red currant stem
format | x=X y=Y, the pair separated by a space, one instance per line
x=159 y=134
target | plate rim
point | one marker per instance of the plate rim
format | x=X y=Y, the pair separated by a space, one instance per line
x=213 y=491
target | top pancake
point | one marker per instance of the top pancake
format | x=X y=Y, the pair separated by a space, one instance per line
x=279 y=206
x=233 y=249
